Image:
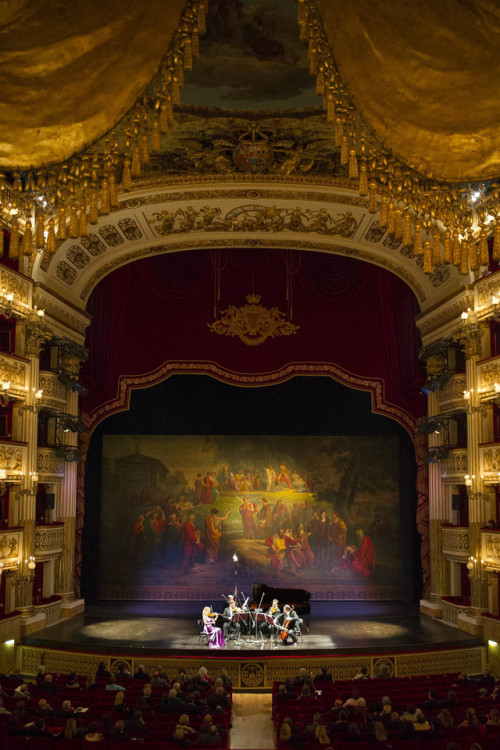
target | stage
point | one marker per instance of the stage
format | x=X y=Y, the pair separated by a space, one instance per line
x=343 y=635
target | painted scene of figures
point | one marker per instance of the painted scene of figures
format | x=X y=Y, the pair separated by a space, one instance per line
x=317 y=513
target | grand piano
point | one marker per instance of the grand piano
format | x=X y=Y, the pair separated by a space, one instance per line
x=299 y=598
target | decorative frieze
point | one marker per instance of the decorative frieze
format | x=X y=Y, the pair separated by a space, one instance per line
x=455 y=466
x=11 y=547
x=54 y=393
x=48 y=463
x=13 y=371
x=48 y=540
x=12 y=458
x=456 y=542
x=489 y=461
x=451 y=395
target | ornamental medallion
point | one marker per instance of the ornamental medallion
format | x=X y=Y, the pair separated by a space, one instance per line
x=253 y=323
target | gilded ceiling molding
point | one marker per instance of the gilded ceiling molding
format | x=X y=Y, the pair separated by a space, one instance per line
x=76 y=81
x=447 y=313
x=420 y=75
x=374 y=385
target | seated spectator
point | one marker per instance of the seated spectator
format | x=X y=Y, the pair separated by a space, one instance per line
x=410 y=714
x=407 y=730
x=106 y=725
x=93 y=734
x=471 y=721
x=183 y=725
x=119 y=704
x=123 y=672
x=446 y=718
x=39 y=729
x=202 y=680
x=362 y=674
x=47 y=685
x=191 y=708
x=218 y=699
x=156 y=679
x=432 y=701
x=174 y=701
x=90 y=682
x=306 y=695
x=141 y=673
x=342 y=723
x=421 y=724
x=379 y=732
x=119 y=734
x=145 y=702
x=354 y=734
x=298 y=681
x=43 y=709
x=353 y=700
x=226 y=679
x=283 y=694
x=66 y=711
x=452 y=701
x=112 y=684
x=208 y=722
x=101 y=670
x=136 y=726
x=321 y=736
x=178 y=738
x=209 y=737
x=13 y=677
x=494 y=718
x=40 y=673
x=382 y=673
x=323 y=676
x=395 y=724
x=15 y=727
x=72 y=732
x=384 y=715
x=72 y=682
x=311 y=728
x=20 y=711
x=3 y=710
x=22 y=691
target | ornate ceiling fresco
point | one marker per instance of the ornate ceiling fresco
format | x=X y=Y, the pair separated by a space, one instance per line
x=391 y=101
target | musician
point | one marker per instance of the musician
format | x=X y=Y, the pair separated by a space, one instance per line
x=230 y=626
x=289 y=623
x=281 y=547
x=265 y=628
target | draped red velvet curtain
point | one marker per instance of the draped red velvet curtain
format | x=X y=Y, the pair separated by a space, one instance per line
x=353 y=315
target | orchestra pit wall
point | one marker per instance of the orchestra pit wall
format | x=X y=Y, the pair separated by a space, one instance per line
x=48 y=543
x=472 y=471
x=258 y=673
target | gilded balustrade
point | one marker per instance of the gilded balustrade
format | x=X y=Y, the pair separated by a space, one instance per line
x=48 y=541
x=451 y=395
x=456 y=542
x=49 y=465
x=455 y=466
x=54 y=394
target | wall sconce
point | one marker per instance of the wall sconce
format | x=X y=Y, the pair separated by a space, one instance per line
x=29 y=490
x=4 y=398
x=496 y=311
x=471 y=409
x=35 y=406
x=6 y=306
x=3 y=483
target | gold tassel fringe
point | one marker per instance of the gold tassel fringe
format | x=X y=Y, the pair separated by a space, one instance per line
x=28 y=239
x=417 y=240
x=14 y=240
x=82 y=220
x=73 y=222
x=427 y=257
x=447 y=248
x=62 y=231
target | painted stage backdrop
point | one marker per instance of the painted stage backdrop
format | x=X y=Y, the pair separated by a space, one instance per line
x=193 y=517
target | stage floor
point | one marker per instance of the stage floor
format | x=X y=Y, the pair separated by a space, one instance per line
x=171 y=628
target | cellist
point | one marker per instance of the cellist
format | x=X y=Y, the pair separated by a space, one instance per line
x=288 y=622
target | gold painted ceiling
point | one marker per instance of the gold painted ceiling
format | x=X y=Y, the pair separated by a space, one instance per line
x=421 y=74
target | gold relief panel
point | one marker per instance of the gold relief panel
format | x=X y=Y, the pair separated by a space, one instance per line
x=491 y=547
x=10 y=283
x=490 y=374
x=12 y=372
x=490 y=459
x=253 y=218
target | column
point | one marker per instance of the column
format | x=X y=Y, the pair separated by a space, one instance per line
x=66 y=513
x=438 y=514
x=470 y=337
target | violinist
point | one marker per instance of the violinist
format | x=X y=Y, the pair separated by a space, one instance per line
x=288 y=623
x=230 y=627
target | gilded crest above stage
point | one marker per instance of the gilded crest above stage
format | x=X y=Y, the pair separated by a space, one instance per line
x=194 y=517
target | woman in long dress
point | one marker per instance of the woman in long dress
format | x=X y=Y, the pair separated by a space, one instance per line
x=214 y=635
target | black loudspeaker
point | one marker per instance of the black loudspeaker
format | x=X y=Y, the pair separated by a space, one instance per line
x=50 y=501
x=456 y=502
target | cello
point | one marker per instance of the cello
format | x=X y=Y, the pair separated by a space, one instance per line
x=286 y=625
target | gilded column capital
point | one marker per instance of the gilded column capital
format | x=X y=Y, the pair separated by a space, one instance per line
x=35 y=335
x=470 y=338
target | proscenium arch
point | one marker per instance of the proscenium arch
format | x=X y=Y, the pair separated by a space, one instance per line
x=313 y=217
